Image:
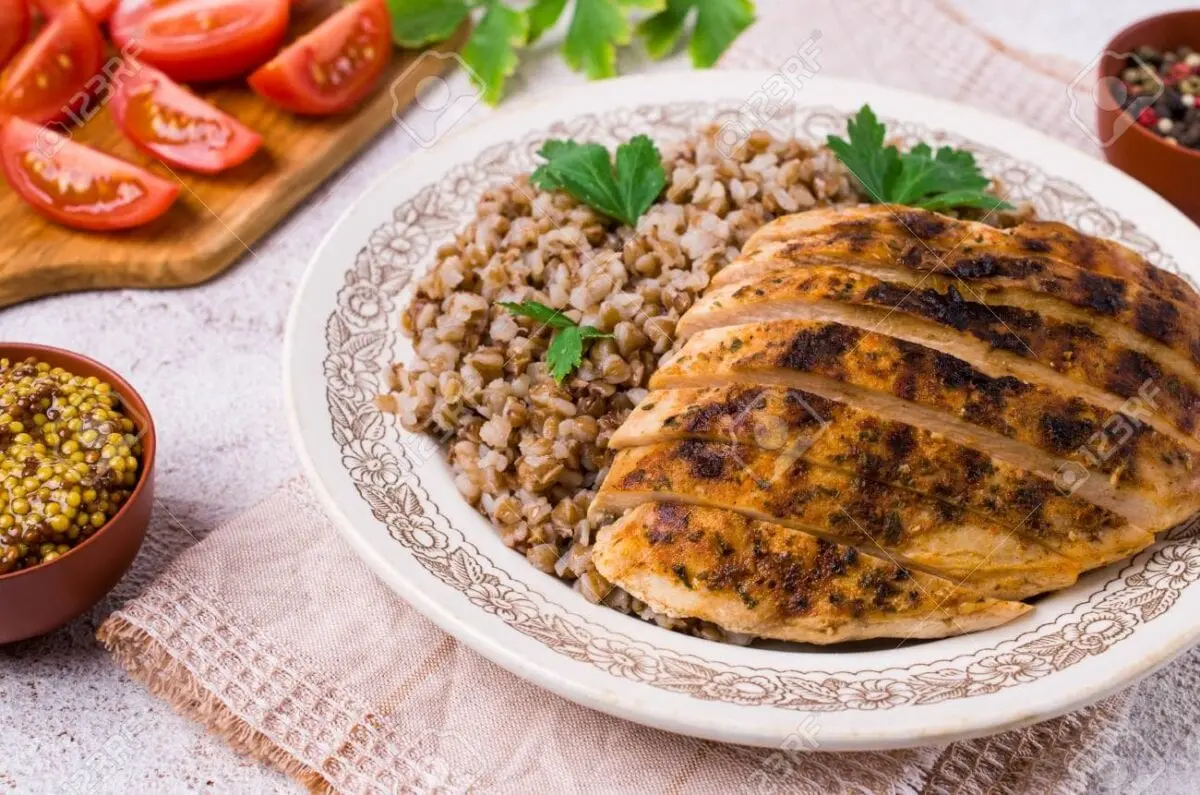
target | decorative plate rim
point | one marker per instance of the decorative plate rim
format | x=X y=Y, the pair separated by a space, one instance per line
x=401 y=502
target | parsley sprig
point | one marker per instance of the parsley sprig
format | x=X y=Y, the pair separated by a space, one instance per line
x=586 y=172
x=594 y=32
x=566 y=346
x=920 y=177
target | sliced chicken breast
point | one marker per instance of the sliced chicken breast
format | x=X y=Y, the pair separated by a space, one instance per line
x=797 y=424
x=1106 y=257
x=895 y=524
x=1071 y=358
x=770 y=581
x=929 y=237
x=975 y=258
x=1175 y=360
x=1111 y=459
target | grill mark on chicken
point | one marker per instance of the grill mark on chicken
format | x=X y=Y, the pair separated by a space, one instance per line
x=951 y=309
x=1157 y=320
x=670 y=518
x=706 y=462
x=772 y=581
x=1105 y=295
x=819 y=347
x=923 y=226
x=1138 y=463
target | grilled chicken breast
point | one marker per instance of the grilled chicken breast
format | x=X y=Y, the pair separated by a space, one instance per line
x=791 y=422
x=1070 y=357
x=995 y=410
x=1177 y=360
x=1141 y=474
x=893 y=523
x=930 y=239
x=766 y=580
x=977 y=255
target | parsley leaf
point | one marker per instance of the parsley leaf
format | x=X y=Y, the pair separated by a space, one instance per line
x=595 y=31
x=586 y=172
x=718 y=23
x=597 y=28
x=491 y=51
x=920 y=177
x=864 y=154
x=543 y=15
x=416 y=23
x=566 y=346
x=539 y=312
x=661 y=32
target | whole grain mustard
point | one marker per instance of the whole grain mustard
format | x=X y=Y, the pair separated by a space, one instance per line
x=69 y=459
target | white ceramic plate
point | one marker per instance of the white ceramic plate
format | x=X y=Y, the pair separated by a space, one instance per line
x=392 y=495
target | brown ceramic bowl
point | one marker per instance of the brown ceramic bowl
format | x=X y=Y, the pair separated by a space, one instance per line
x=1171 y=170
x=37 y=600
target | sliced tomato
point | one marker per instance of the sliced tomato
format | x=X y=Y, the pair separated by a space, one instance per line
x=167 y=121
x=98 y=10
x=14 y=28
x=76 y=186
x=49 y=79
x=333 y=67
x=201 y=40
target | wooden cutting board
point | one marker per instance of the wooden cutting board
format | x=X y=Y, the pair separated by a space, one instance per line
x=216 y=219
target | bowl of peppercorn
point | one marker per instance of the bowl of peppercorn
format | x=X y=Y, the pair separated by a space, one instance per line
x=77 y=449
x=1148 y=106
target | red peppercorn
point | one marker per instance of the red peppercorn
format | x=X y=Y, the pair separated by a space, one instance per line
x=1177 y=72
x=1147 y=118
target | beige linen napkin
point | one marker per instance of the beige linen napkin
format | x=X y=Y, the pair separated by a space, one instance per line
x=273 y=634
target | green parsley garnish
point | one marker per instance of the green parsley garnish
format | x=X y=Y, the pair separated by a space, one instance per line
x=586 y=172
x=566 y=346
x=595 y=30
x=919 y=177
x=491 y=50
x=718 y=23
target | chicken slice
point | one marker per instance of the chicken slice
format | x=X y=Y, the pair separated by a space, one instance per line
x=882 y=239
x=1110 y=459
x=1071 y=358
x=926 y=236
x=766 y=580
x=895 y=524
x=791 y=422
x=1106 y=257
x=1176 y=360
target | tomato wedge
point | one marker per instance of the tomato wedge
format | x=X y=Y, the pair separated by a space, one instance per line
x=333 y=67
x=201 y=40
x=14 y=28
x=167 y=121
x=77 y=186
x=48 y=79
x=98 y=10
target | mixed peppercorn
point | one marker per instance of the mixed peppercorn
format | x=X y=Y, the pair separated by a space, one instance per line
x=1162 y=90
x=69 y=458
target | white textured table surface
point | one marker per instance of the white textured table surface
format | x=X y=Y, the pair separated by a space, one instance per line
x=207 y=362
